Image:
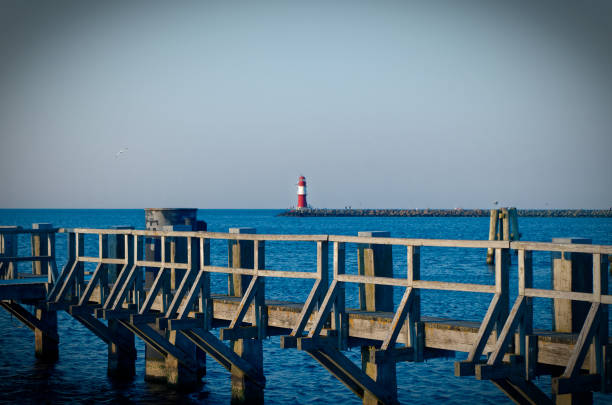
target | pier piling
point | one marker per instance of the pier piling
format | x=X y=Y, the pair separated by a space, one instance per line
x=157 y=367
x=243 y=254
x=121 y=359
x=572 y=271
x=376 y=261
x=46 y=347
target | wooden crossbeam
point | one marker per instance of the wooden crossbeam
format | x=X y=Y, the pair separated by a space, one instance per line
x=522 y=391
x=101 y=330
x=326 y=307
x=193 y=294
x=584 y=339
x=351 y=375
x=466 y=367
x=507 y=332
x=180 y=292
x=398 y=319
x=223 y=354
x=125 y=288
x=97 y=275
x=66 y=283
x=160 y=343
x=248 y=297
x=162 y=274
x=290 y=341
x=28 y=319
x=123 y=275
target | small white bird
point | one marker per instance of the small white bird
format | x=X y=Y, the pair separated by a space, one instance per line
x=121 y=151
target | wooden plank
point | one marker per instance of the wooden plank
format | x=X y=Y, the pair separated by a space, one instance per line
x=562 y=247
x=105 y=260
x=423 y=284
x=147 y=263
x=262 y=273
x=570 y=295
x=420 y=242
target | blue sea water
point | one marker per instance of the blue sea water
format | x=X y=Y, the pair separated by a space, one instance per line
x=292 y=376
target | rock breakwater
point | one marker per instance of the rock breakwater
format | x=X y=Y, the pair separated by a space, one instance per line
x=435 y=212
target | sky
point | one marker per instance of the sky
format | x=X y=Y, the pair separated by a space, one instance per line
x=380 y=104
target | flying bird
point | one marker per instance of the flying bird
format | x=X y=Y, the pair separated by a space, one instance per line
x=121 y=151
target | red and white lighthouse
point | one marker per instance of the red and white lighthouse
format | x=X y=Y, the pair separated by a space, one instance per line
x=301 y=192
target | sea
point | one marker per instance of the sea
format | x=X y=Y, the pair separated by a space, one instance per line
x=292 y=376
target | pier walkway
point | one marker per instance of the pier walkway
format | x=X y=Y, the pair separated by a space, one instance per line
x=168 y=304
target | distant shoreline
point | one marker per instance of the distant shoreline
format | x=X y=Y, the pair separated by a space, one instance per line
x=429 y=212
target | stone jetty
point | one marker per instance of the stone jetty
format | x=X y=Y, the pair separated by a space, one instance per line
x=437 y=212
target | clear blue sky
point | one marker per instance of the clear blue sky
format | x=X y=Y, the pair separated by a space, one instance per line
x=378 y=103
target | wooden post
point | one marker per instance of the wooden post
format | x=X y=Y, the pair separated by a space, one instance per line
x=506 y=224
x=376 y=260
x=46 y=348
x=240 y=254
x=8 y=248
x=158 y=368
x=245 y=254
x=116 y=249
x=492 y=234
x=121 y=363
x=40 y=247
x=514 y=226
x=571 y=272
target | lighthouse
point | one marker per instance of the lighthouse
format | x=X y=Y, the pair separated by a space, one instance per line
x=301 y=191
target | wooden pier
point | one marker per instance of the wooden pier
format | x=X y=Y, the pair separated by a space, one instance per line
x=167 y=302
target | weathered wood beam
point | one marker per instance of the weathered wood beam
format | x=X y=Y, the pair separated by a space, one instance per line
x=223 y=354
x=28 y=319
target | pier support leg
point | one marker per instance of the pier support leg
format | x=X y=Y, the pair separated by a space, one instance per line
x=376 y=260
x=46 y=348
x=176 y=374
x=120 y=363
x=245 y=391
x=384 y=373
x=571 y=272
x=242 y=254
x=157 y=367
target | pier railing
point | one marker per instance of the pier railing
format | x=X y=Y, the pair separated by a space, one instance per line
x=42 y=253
x=173 y=291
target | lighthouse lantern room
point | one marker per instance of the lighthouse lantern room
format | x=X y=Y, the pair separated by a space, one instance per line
x=301 y=192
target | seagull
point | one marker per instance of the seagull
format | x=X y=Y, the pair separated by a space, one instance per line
x=120 y=152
